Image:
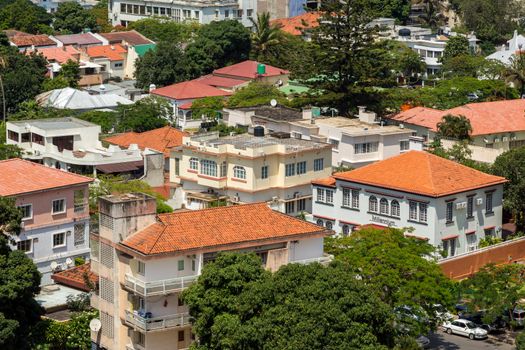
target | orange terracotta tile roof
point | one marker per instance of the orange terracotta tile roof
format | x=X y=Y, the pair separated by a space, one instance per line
x=248 y=69
x=114 y=52
x=327 y=181
x=219 y=82
x=485 y=117
x=189 y=90
x=161 y=139
x=58 y=54
x=296 y=25
x=421 y=173
x=31 y=40
x=219 y=228
x=74 y=277
x=21 y=176
x=130 y=37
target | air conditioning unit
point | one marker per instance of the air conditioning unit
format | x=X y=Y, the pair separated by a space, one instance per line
x=479 y=201
x=235 y=199
x=22 y=225
x=461 y=205
x=496 y=139
x=505 y=139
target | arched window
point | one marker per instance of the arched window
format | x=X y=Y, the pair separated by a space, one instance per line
x=194 y=163
x=320 y=222
x=239 y=172
x=346 y=230
x=383 y=206
x=329 y=225
x=394 y=209
x=372 y=204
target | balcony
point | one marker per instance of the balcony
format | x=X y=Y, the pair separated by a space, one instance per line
x=323 y=260
x=160 y=323
x=135 y=347
x=162 y=287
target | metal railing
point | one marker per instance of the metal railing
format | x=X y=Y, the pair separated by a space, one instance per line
x=480 y=250
x=320 y=260
x=161 y=287
x=157 y=323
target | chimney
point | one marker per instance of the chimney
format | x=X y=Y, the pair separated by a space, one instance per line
x=124 y=214
x=307 y=114
x=366 y=117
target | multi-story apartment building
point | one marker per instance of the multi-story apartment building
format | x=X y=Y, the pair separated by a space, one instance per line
x=55 y=222
x=144 y=261
x=449 y=205
x=249 y=168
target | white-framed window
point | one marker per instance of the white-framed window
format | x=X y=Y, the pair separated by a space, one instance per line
x=320 y=195
x=224 y=169
x=141 y=268
x=226 y=13
x=395 y=209
x=194 y=163
x=347 y=197
x=355 y=199
x=27 y=211
x=193 y=265
x=180 y=265
x=25 y=245
x=450 y=212
x=488 y=203
x=79 y=235
x=289 y=207
x=329 y=196
x=239 y=172
x=79 y=201
x=208 y=167
x=290 y=169
x=472 y=242
x=59 y=206
x=301 y=168
x=59 y=240
x=412 y=210
x=372 y=204
x=383 y=206
x=249 y=12
x=404 y=145
x=423 y=212
x=264 y=172
x=368 y=147
x=346 y=230
x=334 y=143
x=301 y=205
x=318 y=164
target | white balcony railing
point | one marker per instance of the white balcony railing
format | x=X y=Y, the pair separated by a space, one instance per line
x=321 y=260
x=159 y=323
x=161 y=287
x=134 y=347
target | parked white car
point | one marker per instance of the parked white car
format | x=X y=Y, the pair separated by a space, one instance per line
x=466 y=328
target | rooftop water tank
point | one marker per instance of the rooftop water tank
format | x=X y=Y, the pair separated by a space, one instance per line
x=258 y=131
x=404 y=32
x=261 y=69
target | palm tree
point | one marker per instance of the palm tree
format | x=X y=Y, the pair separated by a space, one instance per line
x=433 y=15
x=264 y=35
x=515 y=73
x=455 y=127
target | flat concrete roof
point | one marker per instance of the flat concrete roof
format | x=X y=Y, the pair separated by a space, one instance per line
x=353 y=126
x=55 y=123
x=245 y=141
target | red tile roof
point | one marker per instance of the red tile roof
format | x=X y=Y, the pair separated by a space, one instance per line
x=79 y=39
x=189 y=90
x=58 y=54
x=248 y=69
x=131 y=37
x=21 y=176
x=421 y=173
x=327 y=181
x=219 y=82
x=114 y=52
x=295 y=25
x=485 y=117
x=218 y=229
x=31 y=40
x=74 y=277
x=162 y=139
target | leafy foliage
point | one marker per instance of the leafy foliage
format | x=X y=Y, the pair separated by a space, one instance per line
x=164 y=30
x=515 y=73
x=25 y=16
x=70 y=72
x=71 y=17
x=207 y=106
x=455 y=127
x=398 y=9
x=264 y=35
x=520 y=341
x=100 y=12
x=456 y=46
x=256 y=93
x=146 y=114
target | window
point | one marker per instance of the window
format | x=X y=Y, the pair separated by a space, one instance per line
x=320 y=195
x=450 y=212
x=318 y=164
x=470 y=207
x=181 y=336
x=141 y=339
x=319 y=222
x=372 y=204
x=368 y=147
x=24 y=245
x=347 y=198
x=26 y=137
x=346 y=230
x=422 y=212
x=123 y=8
x=141 y=268
x=413 y=211
x=162 y=11
x=193 y=265
x=118 y=65
x=239 y=13
x=39 y=139
x=142 y=10
x=329 y=196
x=216 y=13
x=301 y=168
x=79 y=201
x=197 y=14
x=289 y=207
x=334 y=143
x=59 y=206
x=488 y=203
x=226 y=13
x=208 y=167
x=264 y=172
x=249 y=13
x=239 y=172
x=59 y=240
x=27 y=211
x=329 y=225
x=79 y=235
x=489 y=232
x=224 y=169
x=395 y=209
x=180 y=265
x=383 y=206
x=12 y=135
x=404 y=145
x=290 y=170
x=355 y=199
x=301 y=205
x=471 y=242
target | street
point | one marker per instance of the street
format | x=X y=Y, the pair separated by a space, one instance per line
x=442 y=341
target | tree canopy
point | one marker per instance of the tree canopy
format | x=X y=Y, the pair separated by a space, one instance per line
x=159 y=30
x=256 y=93
x=264 y=36
x=71 y=17
x=455 y=127
x=25 y=16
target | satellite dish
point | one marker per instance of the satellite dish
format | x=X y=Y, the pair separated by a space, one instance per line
x=95 y=325
x=54 y=265
x=273 y=102
x=69 y=262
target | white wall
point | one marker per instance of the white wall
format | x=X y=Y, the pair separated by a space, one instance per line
x=306 y=249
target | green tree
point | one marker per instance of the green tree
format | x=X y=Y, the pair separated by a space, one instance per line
x=9 y=151
x=107 y=120
x=455 y=127
x=160 y=29
x=146 y=114
x=100 y=12
x=405 y=61
x=515 y=73
x=264 y=35
x=456 y=46
x=162 y=66
x=433 y=13
x=25 y=16
x=19 y=283
x=511 y=165
x=207 y=106
x=520 y=341
x=70 y=72
x=398 y=9
x=256 y=93
x=71 y=17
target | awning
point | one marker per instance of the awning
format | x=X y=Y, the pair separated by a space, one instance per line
x=120 y=167
x=376 y=226
x=471 y=232
x=349 y=223
x=416 y=237
x=449 y=237
x=323 y=217
x=489 y=227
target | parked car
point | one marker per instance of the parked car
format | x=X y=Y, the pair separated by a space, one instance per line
x=497 y=326
x=442 y=314
x=466 y=328
x=423 y=342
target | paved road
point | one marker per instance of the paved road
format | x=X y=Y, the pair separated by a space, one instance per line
x=443 y=341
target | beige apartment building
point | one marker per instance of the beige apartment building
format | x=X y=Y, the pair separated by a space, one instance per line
x=248 y=168
x=144 y=261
